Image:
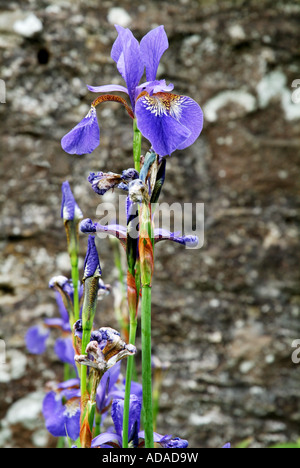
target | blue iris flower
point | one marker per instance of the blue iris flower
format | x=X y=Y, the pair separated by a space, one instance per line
x=113 y=437
x=169 y=121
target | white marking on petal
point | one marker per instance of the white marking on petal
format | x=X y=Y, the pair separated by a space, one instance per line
x=72 y=407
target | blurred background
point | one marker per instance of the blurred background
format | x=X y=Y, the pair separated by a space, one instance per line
x=224 y=316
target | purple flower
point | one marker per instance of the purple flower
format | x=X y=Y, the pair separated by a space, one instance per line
x=135 y=437
x=36 y=339
x=61 y=410
x=107 y=388
x=170 y=442
x=109 y=439
x=37 y=336
x=167 y=120
x=92 y=266
x=83 y=138
x=69 y=209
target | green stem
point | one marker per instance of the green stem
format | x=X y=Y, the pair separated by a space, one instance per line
x=98 y=420
x=88 y=314
x=73 y=249
x=75 y=280
x=129 y=372
x=146 y=366
x=137 y=144
x=132 y=264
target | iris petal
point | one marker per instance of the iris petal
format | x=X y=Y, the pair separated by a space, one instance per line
x=83 y=138
x=153 y=45
x=117 y=411
x=192 y=118
x=156 y=122
x=36 y=339
x=126 y=53
x=53 y=411
x=169 y=121
x=92 y=263
x=64 y=350
x=104 y=439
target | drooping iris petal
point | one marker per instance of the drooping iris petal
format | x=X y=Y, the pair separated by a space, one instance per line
x=105 y=439
x=153 y=45
x=36 y=338
x=155 y=121
x=72 y=418
x=83 y=138
x=168 y=121
x=191 y=117
x=126 y=53
x=53 y=411
x=61 y=410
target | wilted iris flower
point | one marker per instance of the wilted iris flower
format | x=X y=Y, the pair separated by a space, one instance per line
x=88 y=227
x=105 y=349
x=134 y=184
x=169 y=121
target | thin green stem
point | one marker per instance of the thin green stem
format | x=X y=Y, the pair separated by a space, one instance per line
x=137 y=144
x=75 y=280
x=129 y=372
x=146 y=366
x=132 y=296
x=98 y=420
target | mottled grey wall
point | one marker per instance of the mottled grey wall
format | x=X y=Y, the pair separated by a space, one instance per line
x=224 y=316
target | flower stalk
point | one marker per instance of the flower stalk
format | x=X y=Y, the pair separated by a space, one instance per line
x=133 y=286
x=147 y=266
x=92 y=274
x=137 y=143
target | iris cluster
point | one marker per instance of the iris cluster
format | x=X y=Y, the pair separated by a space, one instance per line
x=95 y=387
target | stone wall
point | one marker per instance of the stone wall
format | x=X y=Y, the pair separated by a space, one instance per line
x=224 y=316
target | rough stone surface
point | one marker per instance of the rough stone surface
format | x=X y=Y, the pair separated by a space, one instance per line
x=224 y=316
